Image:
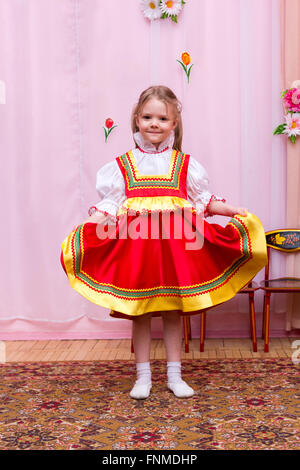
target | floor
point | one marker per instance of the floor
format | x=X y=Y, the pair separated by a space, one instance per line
x=95 y=350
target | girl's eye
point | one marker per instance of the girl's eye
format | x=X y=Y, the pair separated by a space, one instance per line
x=146 y=116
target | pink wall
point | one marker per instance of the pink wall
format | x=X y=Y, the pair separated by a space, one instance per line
x=67 y=66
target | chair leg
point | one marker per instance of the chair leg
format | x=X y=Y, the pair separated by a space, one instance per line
x=202 y=329
x=264 y=318
x=189 y=328
x=267 y=321
x=186 y=327
x=132 y=345
x=252 y=321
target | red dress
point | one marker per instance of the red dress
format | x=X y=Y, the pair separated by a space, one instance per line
x=161 y=255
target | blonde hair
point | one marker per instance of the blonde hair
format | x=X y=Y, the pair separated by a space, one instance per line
x=162 y=93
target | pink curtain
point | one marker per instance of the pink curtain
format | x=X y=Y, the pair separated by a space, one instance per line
x=68 y=65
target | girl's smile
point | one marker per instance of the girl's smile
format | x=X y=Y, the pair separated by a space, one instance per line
x=156 y=121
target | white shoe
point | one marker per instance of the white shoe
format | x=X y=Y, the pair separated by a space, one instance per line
x=181 y=389
x=140 y=391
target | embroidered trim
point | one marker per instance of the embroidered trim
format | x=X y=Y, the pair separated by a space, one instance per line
x=147 y=146
x=132 y=212
x=206 y=209
x=134 y=172
x=144 y=151
x=155 y=204
x=136 y=181
x=94 y=209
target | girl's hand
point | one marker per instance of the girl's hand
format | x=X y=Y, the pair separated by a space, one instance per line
x=96 y=218
x=221 y=208
x=239 y=211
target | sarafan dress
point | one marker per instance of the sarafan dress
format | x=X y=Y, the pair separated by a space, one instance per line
x=155 y=251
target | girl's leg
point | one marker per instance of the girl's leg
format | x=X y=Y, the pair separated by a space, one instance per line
x=141 y=333
x=173 y=339
x=172 y=335
x=142 y=343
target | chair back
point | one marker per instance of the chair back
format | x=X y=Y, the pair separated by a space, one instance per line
x=287 y=240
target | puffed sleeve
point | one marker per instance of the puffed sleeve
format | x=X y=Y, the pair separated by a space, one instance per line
x=197 y=188
x=111 y=189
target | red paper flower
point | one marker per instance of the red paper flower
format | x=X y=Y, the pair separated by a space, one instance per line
x=291 y=100
x=109 y=123
x=109 y=126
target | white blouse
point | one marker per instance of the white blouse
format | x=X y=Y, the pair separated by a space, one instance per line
x=110 y=183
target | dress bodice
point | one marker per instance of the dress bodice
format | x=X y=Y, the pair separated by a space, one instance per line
x=172 y=174
x=173 y=183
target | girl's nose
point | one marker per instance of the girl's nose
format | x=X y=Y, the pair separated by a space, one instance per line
x=154 y=123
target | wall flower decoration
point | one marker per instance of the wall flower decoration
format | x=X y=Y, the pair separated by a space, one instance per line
x=291 y=127
x=151 y=9
x=185 y=62
x=171 y=8
x=109 y=126
x=291 y=99
x=156 y=9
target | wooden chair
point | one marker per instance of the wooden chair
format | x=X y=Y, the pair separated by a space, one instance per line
x=287 y=241
x=250 y=290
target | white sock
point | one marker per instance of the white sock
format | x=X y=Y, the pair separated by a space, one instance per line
x=143 y=373
x=143 y=383
x=175 y=383
x=174 y=372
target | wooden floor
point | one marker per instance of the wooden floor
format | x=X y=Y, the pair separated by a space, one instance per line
x=95 y=350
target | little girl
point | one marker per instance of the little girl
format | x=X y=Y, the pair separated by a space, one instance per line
x=157 y=188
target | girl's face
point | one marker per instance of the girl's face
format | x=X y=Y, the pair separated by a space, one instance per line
x=156 y=121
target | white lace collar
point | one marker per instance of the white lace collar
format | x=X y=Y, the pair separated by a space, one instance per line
x=147 y=147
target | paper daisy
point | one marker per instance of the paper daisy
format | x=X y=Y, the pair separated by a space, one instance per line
x=292 y=127
x=170 y=7
x=150 y=9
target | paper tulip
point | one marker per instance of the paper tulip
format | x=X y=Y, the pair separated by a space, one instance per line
x=109 y=123
x=186 y=60
x=109 y=126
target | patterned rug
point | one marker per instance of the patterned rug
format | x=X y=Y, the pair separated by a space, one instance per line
x=239 y=404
